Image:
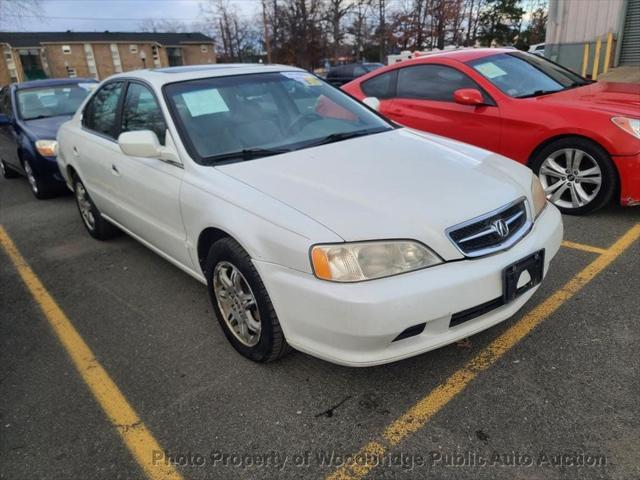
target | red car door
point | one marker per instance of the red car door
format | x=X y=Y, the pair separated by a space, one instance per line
x=424 y=100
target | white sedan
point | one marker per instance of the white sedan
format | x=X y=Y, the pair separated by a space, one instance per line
x=314 y=222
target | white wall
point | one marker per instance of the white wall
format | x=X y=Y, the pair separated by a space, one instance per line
x=579 y=21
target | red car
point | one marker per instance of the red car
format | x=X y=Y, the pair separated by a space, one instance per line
x=581 y=137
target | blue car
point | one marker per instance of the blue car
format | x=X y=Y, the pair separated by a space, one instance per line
x=30 y=115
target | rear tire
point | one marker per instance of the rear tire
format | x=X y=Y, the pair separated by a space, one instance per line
x=577 y=175
x=7 y=171
x=241 y=303
x=96 y=225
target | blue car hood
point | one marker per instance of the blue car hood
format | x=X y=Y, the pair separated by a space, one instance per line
x=45 y=128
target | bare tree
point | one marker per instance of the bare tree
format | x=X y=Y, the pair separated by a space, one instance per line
x=382 y=28
x=360 y=28
x=12 y=12
x=162 y=25
x=237 y=38
x=337 y=10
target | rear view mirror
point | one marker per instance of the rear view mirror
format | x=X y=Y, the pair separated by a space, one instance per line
x=142 y=143
x=4 y=119
x=469 y=96
x=372 y=102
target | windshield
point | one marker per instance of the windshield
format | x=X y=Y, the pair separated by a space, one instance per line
x=52 y=101
x=523 y=75
x=255 y=115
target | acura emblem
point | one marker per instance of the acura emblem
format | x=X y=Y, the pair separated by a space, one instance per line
x=501 y=228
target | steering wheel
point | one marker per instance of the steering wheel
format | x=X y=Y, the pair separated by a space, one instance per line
x=302 y=121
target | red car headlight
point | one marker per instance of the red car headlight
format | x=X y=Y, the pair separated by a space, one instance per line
x=629 y=125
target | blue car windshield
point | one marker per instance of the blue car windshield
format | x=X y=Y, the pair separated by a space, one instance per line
x=43 y=102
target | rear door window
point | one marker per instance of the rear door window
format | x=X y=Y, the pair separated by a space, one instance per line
x=431 y=82
x=381 y=86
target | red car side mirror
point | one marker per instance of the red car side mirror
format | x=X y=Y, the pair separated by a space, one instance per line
x=469 y=96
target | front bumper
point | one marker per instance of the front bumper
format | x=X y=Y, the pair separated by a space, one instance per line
x=355 y=324
x=47 y=169
x=629 y=172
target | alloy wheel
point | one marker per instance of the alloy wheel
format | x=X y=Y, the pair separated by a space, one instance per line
x=31 y=177
x=237 y=303
x=84 y=204
x=571 y=178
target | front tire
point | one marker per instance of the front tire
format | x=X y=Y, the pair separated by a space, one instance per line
x=576 y=174
x=7 y=171
x=93 y=221
x=40 y=189
x=241 y=303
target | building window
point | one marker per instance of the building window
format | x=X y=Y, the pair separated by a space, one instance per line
x=174 y=54
x=66 y=49
x=71 y=72
x=91 y=60
x=115 y=58
x=31 y=64
x=156 y=56
x=11 y=65
x=204 y=48
x=133 y=49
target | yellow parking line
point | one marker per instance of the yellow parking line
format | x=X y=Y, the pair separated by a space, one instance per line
x=418 y=415
x=135 y=435
x=583 y=247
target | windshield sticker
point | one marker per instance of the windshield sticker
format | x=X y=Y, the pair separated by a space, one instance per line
x=490 y=70
x=304 y=78
x=204 y=102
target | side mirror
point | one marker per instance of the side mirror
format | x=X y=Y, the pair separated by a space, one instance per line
x=4 y=119
x=372 y=102
x=141 y=143
x=145 y=144
x=469 y=96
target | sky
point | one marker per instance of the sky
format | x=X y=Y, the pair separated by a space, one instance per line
x=113 y=15
x=123 y=15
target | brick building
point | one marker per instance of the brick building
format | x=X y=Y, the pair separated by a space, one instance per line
x=34 y=55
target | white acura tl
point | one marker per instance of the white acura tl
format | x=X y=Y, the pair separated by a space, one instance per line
x=314 y=222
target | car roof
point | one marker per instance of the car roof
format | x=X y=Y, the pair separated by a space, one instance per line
x=162 y=76
x=461 y=55
x=52 y=82
x=355 y=64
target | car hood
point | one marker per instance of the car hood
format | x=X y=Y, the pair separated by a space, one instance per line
x=612 y=97
x=397 y=184
x=45 y=128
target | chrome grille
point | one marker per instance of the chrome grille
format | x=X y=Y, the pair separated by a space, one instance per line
x=493 y=231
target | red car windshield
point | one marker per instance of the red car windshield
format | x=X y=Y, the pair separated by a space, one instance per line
x=522 y=75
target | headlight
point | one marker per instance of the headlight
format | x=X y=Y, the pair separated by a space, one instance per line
x=538 y=196
x=47 y=148
x=353 y=262
x=629 y=125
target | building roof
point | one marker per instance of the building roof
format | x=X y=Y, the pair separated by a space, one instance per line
x=35 y=39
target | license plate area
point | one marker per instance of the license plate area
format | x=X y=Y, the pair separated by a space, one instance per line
x=514 y=275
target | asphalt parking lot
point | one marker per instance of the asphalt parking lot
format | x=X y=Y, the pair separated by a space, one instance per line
x=551 y=393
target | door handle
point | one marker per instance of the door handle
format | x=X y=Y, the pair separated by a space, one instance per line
x=114 y=170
